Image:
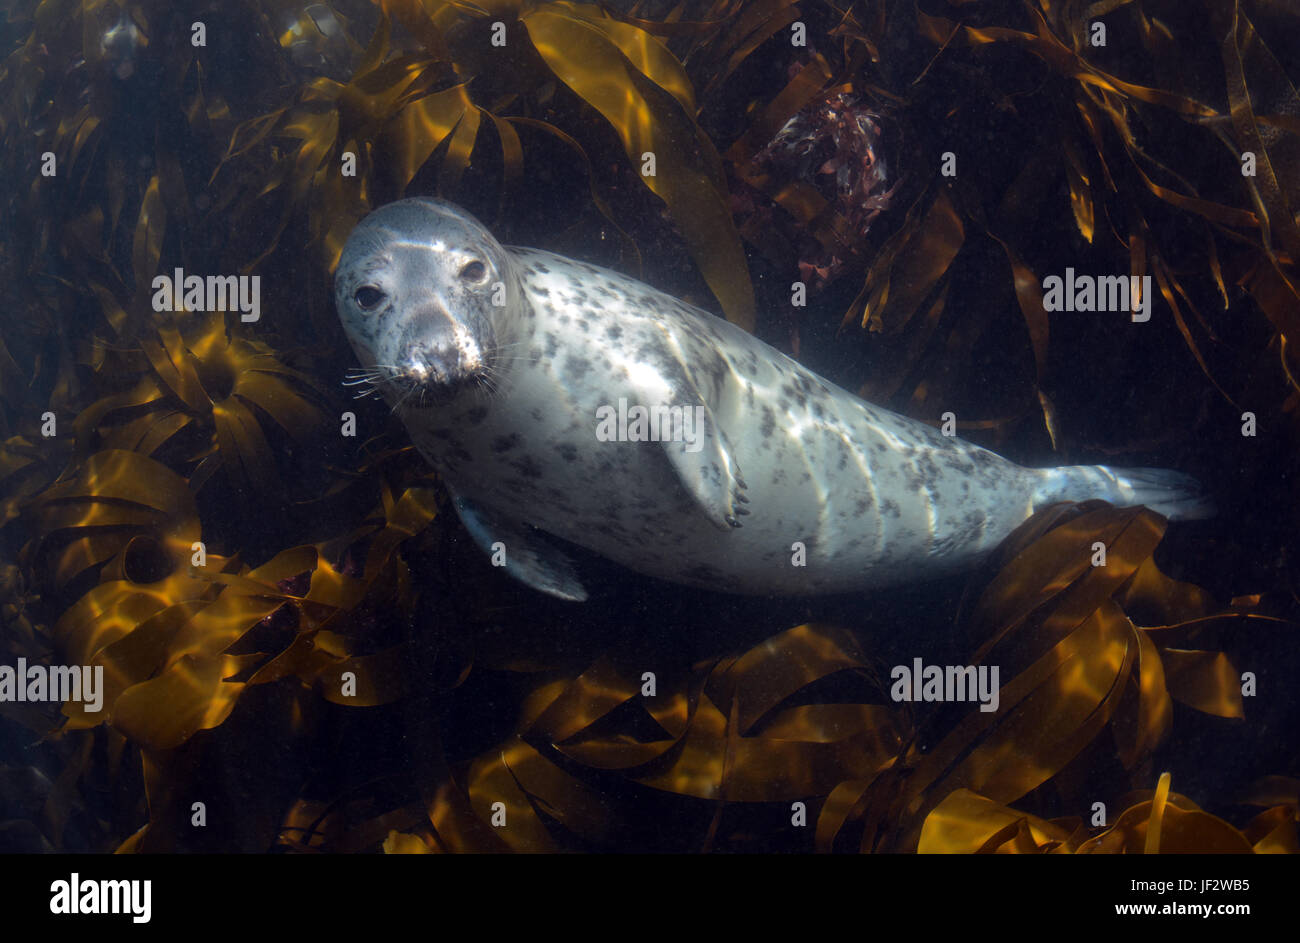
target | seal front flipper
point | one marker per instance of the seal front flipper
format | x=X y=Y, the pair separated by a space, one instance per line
x=530 y=556
x=698 y=452
x=668 y=386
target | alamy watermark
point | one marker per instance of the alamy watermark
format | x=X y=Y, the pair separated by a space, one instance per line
x=242 y=293
x=58 y=683
x=949 y=683
x=1073 y=292
x=86 y=896
x=659 y=423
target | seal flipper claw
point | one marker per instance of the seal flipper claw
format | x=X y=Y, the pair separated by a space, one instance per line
x=530 y=556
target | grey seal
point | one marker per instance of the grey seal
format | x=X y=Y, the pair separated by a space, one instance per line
x=558 y=399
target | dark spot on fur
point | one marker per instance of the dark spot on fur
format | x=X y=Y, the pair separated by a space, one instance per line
x=791 y=390
x=527 y=467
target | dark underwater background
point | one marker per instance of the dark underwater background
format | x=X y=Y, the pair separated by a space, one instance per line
x=919 y=165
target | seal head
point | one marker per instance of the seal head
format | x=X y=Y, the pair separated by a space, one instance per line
x=415 y=288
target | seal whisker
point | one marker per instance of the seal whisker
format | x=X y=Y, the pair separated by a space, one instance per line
x=405 y=396
x=487 y=382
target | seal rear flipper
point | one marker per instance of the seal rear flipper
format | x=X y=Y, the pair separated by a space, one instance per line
x=529 y=555
x=1177 y=496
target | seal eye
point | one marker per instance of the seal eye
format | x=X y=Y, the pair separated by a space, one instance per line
x=474 y=272
x=368 y=296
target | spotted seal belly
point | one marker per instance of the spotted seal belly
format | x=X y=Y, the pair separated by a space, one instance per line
x=559 y=399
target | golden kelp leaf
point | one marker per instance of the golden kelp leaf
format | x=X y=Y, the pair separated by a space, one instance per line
x=1103 y=103
x=192 y=695
x=416 y=16
x=650 y=57
x=847 y=801
x=756 y=22
x=243 y=447
x=407 y=516
x=1172 y=829
x=1150 y=591
x=355 y=837
x=1239 y=42
x=174 y=367
x=1080 y=192
x=1164 y=279
x=592 y=695
x=115 y=608
x=1029 y=295
x=247 y=599
x=765 y=676
x=456 y=827
x=497 y=798
x=1146 y=713
x=1273 y=790
x=246 y=374
x=649 y=121
x=216 y=379
x=1044 y=44
x=147 y=247
x=559 y=796
x=727 y=736
x=459 y=147
x=968 y=823
x=375 y=679
x=147 y=434
x=1274 y=832
x=1046 y=715
x=1159 y=803
x=1058 y=564
x=425 y=123
x=398 y=843
x=160 y=643
x=134 y=657
x=1206 y=681
x=24 y=471
x=916 y=265
x=885 y=381
x=1079 y=663
x=120 y=495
